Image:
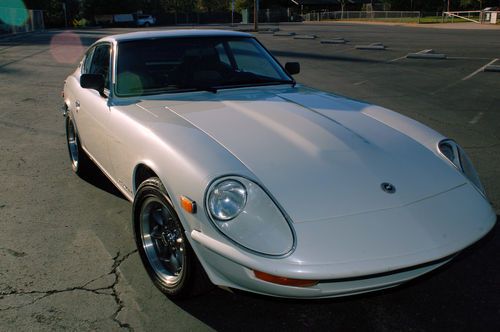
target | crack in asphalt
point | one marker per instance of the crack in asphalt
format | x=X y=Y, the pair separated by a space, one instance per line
x=24 y=58
x=13 y=252
x=116 y=295
x=117 y=261
x=31 y=129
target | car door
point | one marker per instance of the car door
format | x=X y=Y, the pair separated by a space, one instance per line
x=92 y=108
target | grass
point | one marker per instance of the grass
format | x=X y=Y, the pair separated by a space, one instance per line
x=439 y=19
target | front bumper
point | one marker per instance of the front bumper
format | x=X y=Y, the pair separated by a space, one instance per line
x=224 y=272
x=358 y=253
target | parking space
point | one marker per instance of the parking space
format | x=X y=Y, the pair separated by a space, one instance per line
x=67 y=257
x=447 y=94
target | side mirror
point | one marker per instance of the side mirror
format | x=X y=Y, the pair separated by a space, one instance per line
x=92 y=81
x=292 y=68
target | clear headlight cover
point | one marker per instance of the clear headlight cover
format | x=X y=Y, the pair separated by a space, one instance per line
x=227 y=199
x=246 y=214
x=454 y=153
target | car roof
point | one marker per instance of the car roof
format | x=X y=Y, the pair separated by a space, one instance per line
x=173 y=34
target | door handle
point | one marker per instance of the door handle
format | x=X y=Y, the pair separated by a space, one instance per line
x=77 y=105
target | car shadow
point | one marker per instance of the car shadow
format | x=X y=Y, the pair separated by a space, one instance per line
x=453 y=290
x=96 y=177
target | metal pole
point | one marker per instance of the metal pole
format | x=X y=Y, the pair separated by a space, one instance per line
x=255 y=15
x=442 y=14
x=448 y=5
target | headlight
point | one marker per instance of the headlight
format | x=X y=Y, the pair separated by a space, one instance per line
x=454 y=153
x=246 y=214
x=226 y=200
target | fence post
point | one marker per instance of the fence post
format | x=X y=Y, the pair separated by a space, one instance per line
x=32 y=22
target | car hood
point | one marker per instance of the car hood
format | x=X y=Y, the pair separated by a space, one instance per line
x=319 y=155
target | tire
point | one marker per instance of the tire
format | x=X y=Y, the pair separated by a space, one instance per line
x=147 y=24
x=162 y=244
x=80 y=162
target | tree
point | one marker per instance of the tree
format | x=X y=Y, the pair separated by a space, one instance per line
x=213 y=5
x=342 y=6
x=471 y=3
x=343 y=3
x=243 y=4
x=422 y=5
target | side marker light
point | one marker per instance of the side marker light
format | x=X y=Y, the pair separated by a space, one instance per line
x=284 y=280
x=188 y=205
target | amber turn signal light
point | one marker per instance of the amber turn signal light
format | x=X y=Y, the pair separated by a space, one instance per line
x=284 y=281
x=188 y=205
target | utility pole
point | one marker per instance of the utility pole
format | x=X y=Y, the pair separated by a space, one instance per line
x=65 y=15
x=232 y=13
x=448 y=5
x=255 y=15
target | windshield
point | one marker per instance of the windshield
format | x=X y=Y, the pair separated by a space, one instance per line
x=189 y=64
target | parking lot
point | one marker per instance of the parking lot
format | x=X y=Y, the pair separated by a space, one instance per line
x=67 y=256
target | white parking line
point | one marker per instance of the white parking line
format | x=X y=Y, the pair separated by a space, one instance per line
x=476 y=118
x=359 y=83
x=479 y=70
x=397 y=59
x=449 y=58
x=466 y=58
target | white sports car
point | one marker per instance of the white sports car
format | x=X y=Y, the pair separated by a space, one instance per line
x=240 y=177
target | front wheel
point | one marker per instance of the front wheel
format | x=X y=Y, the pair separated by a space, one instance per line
x=162 y=244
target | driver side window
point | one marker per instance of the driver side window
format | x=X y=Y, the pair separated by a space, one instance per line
x=100 y=62
x=86 y=61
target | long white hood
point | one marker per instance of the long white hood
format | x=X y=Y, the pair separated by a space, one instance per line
x=317 y=150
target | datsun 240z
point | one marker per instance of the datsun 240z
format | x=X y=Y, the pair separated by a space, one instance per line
x=242 y=178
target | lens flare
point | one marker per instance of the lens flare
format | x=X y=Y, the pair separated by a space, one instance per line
x=13 y=12
x=129 y=83
x=66 y=47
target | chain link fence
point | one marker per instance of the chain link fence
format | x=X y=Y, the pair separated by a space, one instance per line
x=16 y=20
x=385 y=16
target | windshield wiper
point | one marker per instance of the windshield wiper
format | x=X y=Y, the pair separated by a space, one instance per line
x=205 y=88
x=255 y=83
x=258 y=79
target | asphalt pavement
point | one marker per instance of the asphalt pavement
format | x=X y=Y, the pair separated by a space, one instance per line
x=67 y=256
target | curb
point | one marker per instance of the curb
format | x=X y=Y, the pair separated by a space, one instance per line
x=305 y=37
x=426 y=54
x=492 y=68
x=9 y=36
x=373 y=46
x=284 y=34
x=333 y=41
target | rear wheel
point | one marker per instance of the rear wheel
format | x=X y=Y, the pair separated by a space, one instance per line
x=162 y=244
x=80 y=163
